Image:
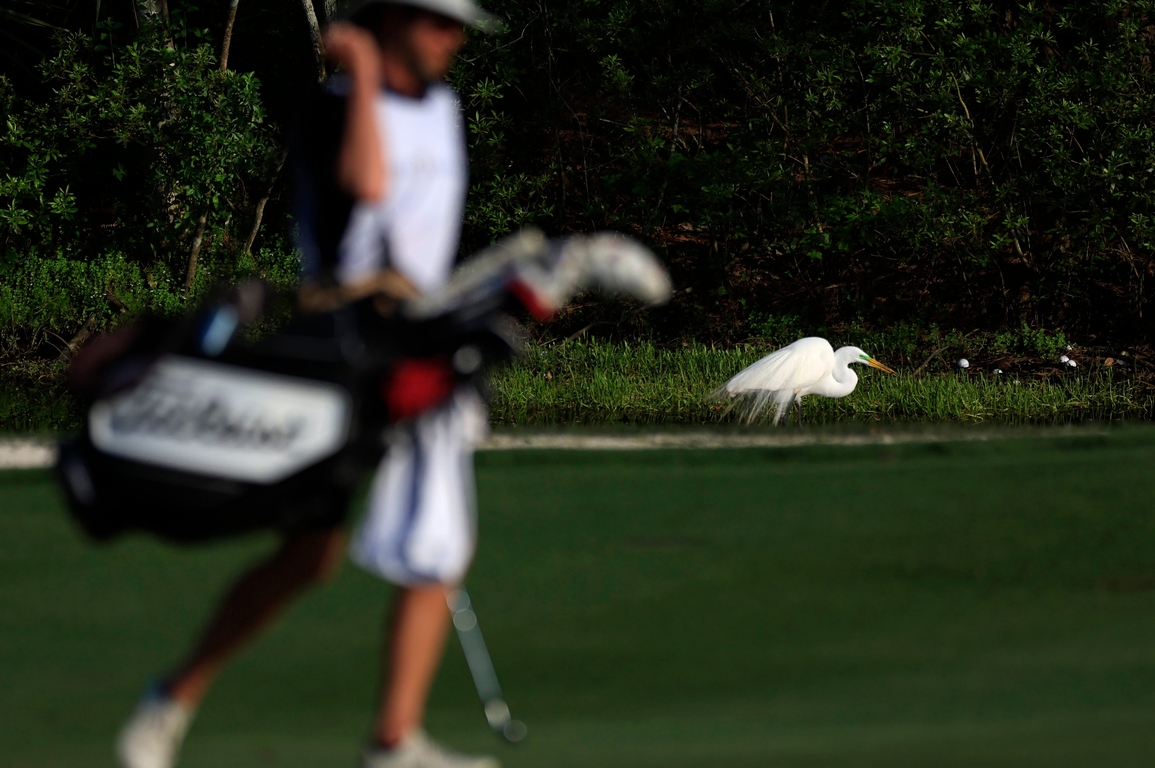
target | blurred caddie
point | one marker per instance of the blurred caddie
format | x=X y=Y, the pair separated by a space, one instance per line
x=381 y=173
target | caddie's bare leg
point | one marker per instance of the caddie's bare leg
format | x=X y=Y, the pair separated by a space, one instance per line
x=153 y=735
x=417 y=631
x=253 y=603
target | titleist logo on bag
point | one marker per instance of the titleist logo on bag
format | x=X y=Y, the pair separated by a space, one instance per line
x=223 y=421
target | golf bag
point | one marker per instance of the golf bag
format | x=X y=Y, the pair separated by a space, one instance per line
x=194 y=433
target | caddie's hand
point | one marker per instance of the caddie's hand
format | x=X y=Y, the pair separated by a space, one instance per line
x=354 y=50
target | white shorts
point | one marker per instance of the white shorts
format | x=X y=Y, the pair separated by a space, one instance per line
x=420 y=526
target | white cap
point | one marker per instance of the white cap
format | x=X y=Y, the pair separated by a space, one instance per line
x=465 y=11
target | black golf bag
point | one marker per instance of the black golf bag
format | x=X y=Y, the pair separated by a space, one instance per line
x=193 y=433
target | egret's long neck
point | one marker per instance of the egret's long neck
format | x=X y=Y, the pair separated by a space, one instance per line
x=844 y=380
x=841 y=381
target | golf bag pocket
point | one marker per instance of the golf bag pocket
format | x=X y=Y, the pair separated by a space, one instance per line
x=222 y=421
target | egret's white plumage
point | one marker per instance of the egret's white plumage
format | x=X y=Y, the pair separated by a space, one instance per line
x=809 y=366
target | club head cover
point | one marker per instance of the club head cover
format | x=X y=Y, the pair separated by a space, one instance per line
x=605 y=261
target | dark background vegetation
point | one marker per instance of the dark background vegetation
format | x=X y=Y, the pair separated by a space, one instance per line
x=800 y=166
x=976 y=165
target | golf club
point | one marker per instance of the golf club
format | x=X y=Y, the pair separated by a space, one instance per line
x=481 y=667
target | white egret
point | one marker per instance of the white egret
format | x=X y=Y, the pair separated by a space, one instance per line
x=809 y=366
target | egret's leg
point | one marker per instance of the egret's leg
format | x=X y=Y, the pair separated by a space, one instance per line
x=798 y=402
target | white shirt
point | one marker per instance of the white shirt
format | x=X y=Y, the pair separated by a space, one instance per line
x=416 y=226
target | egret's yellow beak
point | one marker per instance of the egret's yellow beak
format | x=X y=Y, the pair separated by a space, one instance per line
x=875 y=364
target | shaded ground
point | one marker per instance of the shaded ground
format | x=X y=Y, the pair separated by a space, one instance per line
x=982 y=603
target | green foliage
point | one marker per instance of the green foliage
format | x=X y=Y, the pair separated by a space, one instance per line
x=55 y=295
x=908 y=175
x=103 y=182
x=910 y=343
x=777 y=330
x=152 y=132
x=1029 y=341
x=973 y=164
x=502 y=198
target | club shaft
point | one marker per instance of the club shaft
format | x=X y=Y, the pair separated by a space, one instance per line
x=473 y=644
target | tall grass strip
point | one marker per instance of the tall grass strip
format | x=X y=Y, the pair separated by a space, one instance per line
x=602 y=383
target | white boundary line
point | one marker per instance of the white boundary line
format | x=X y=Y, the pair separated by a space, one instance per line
x=27 y=454
x=31 y=453
x=510 y=441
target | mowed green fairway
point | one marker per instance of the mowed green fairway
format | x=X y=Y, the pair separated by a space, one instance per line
x=980 y=604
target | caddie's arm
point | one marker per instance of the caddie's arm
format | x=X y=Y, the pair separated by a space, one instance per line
x=361 y=170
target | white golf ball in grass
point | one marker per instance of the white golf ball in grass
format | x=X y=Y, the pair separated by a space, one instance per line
x=1072 y=364
x=1064 y=359
x=964 y=363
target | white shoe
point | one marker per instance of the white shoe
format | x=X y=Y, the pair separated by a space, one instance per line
x=153 y=735
x=419 y=751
